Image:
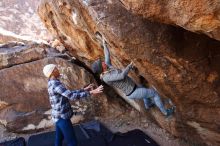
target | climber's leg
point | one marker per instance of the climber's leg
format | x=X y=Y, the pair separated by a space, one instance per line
x=147 y=93
x=160 y=105
x=143 y=93
x=148 y=103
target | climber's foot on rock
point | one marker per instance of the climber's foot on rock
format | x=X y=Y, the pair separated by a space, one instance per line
x=170 y=112
x=168 y=101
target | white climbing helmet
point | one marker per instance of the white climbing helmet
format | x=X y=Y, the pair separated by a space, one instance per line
x=48 y=69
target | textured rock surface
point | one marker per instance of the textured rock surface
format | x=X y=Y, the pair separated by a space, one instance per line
x=17 y=53
x=24 y=107
x=180 y=64
x=24 y=104
x=19 y=21
x=201 y=16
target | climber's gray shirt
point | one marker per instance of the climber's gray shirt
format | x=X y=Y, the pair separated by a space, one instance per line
x=119 y=78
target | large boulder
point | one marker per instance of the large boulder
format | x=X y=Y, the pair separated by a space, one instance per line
x=19 y=21
x=200 y=16
x=24 y=101
x=181 y=65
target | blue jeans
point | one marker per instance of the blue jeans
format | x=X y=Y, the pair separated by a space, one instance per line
x=147 y=94
x=64 y=130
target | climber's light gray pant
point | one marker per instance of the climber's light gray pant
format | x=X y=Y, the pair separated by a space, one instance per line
x=147 y=94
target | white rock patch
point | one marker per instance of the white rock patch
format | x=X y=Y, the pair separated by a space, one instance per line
x=74 y=17
x=43 y=124
x=86 y=2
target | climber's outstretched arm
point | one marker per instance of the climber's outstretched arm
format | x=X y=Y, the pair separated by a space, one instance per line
x=107 y=54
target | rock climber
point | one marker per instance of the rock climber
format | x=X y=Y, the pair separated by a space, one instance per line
x=59 y=98
x=118 y=78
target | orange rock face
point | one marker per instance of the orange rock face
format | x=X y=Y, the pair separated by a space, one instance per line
x=180 y=64
x=200 y=16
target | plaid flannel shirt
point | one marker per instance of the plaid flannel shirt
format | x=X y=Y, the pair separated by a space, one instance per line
x=59 y=99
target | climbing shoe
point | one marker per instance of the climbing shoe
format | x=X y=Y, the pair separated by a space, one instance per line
x=170 y=111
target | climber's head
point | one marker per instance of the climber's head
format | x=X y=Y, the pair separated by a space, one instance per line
x=51 y=70
x=98 y=67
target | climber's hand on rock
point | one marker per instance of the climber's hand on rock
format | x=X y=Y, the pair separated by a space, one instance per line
x=104 y=43
x=131 y=64
x=89 y=87
x=97 y=90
